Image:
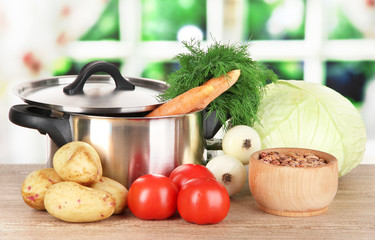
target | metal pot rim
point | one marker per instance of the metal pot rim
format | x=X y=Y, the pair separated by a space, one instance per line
x=130 y=117
x=99 y=97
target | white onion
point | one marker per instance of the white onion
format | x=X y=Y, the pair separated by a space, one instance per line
x=229 y=171
x=240 y=142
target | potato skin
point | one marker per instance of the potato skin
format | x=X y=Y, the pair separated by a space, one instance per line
x=78 y=162
x=36 y=184
x=118 y=191
x=73 y=202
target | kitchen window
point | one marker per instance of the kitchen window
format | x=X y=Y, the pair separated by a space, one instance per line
x=330 y=42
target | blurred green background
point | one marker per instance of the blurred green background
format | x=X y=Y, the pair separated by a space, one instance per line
x=162 y=20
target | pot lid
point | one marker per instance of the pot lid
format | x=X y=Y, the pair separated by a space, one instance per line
x=93 y=94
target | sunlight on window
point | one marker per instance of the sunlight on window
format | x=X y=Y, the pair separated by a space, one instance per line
x=189 y=32
x=287 y=16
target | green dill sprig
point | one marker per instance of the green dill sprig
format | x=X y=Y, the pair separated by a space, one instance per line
x=242 y=100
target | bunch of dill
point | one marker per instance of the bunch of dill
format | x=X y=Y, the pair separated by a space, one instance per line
x=242 y=100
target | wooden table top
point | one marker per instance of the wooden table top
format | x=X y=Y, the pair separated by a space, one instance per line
x=351 y=215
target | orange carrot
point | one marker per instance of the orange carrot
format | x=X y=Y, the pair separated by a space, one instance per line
x=223 y=83
x=190 y=101
x=197 y=98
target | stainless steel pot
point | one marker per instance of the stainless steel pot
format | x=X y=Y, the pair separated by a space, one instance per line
x=128 y=144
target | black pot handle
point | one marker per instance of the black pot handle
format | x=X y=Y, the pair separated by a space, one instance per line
x=40 y=119
x=76 y=87
x=211 y=125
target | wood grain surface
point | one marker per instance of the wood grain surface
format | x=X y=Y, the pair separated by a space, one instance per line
x=351 y=215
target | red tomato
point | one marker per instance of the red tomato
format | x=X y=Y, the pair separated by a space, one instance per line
x=183 y=173
x=152 y=196
x=203 y=201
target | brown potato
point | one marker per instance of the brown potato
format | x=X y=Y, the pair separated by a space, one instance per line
x=118 y=191
x=78 y=162
x=73 y=202
x=35 y=186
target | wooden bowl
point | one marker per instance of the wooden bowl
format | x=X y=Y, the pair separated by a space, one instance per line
x=293 y=191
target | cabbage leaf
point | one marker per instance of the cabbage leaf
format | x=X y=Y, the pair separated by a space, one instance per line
x=310 y=115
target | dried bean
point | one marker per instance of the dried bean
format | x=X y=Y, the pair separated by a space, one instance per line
x=292 y=159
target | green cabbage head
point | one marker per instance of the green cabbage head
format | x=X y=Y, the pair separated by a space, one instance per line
x=310 y=115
